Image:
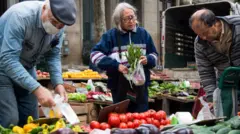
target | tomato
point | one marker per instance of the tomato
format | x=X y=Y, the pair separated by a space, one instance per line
x=129 y=116
x=112 y=114
x=142 y=116
x=149 y=120
x=135 y=115
x=163 y=114
x=157 y=116
x=104 y=126
x=146 y=114
x=136 y=123
x=163 y=122
x=143 y=121
x=156 y=123
x=151 y=112
x=94 y=124
x=114 y=121
x=123 y=118
x=123 y=125
x=168 y=121
x=130 y=124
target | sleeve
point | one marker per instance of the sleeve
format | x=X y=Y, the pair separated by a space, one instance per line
x=53 y=58
x=10 y=51
x=206 y=72
x=151 y=52
x=99 y=54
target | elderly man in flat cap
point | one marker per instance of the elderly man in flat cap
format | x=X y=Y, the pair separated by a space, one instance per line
x=29 y=30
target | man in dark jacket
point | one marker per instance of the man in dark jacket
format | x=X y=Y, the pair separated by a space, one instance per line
x=216 y=46
x=109 y=55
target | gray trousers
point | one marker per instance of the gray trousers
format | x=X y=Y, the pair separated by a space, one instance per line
x=16 y=103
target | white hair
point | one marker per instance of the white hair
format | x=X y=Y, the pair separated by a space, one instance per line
x=117 y=14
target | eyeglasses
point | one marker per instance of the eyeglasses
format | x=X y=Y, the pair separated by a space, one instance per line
x=129 y=18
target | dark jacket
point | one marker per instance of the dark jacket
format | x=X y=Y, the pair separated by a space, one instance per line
x=210 y=63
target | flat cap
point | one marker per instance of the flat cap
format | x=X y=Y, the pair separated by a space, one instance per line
x=64 y=11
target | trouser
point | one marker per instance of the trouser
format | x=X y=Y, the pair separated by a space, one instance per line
x=16 y=103
x=140 y=104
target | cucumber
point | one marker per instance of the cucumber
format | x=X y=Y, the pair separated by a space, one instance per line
x=234 y=132
x=223 y=130
x=217 y=127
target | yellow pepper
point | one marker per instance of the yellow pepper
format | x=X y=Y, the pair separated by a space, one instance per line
x=59 y=124
x=77 y=129
x=18 y=130
x=29 y=127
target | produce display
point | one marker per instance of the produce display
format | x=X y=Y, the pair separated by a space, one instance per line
x=231 y=126
x=86 y=74
x=133 y=120
x=77 y=97
x=41 y=74
x=174 y=89
x=60 y=127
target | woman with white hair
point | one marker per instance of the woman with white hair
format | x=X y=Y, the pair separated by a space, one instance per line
x=109 y=55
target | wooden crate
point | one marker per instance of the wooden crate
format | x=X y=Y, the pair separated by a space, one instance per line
x=82 y=119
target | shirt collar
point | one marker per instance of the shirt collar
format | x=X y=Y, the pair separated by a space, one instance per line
x=134 y=30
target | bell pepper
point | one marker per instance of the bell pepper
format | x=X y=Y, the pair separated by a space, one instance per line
x=18 y=130
x=29 y=127
x=59 y=124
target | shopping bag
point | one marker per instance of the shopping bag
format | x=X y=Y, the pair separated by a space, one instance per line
x=138 y=75
x=205 y=113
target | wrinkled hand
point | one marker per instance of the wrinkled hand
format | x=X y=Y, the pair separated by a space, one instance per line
x=143 y=60
x=44 y=96
x=62 y=92
x=123 y=69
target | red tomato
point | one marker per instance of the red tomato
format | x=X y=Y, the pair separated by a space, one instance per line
x=157 y=116
x=130 y=124
x=114 y=121
x=163 y=114
x=163 y=122
x=151 y=112
x=129 y=116
x=136 y=123
x=135 y=115
x=147 y=114
x=123 y=118
x=142 y=116
x=104 y=126
x=143 y=121
x=112 y=114
x=123 y=125
x=149 y=120
x=156 y=123
x=168 y=121
x=94 y=124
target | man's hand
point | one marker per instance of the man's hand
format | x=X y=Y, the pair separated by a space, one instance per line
x=62 y=92
x=44 y=97
x=210 y=104
x=143 y=60
x=123 y=69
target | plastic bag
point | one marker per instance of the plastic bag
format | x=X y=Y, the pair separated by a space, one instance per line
x=61 y=109
x=217 y=103
x=90 y=84
x=205 y=113
x=138 y=75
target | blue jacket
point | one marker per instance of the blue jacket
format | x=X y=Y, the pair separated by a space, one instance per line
x=106 y=53
x=23 y=41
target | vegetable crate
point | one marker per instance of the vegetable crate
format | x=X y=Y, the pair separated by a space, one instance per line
x=229 y=85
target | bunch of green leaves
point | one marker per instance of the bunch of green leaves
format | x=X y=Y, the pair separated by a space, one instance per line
x=77 y=97
x=133 y=55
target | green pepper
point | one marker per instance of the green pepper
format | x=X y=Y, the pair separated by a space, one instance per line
x=36 y=130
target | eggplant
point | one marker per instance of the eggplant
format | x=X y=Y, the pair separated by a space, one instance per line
x=153 y=129
x=124 y=131
x=183 y=131
x=143 y=130
x=63 y=131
